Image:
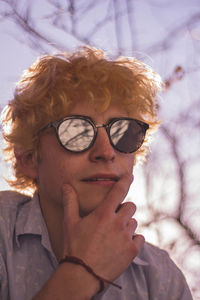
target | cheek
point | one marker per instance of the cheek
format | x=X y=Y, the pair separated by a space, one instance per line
x=51 y=177
x=64 y=174
x=65 y=170
x=129 y=162
x=49 y=170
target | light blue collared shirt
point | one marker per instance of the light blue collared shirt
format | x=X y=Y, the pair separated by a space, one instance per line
x=27 y=260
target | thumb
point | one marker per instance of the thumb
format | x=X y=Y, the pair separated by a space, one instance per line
x=70 y=205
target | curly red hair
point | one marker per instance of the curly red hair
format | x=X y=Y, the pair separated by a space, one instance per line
x=50 y=87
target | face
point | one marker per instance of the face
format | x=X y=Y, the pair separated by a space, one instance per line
x=58 y=166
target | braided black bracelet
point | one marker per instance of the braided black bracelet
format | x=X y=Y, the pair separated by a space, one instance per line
x=78 y=261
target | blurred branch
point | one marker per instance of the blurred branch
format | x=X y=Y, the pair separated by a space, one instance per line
x=173 y=141
x=130 y=16
x=157 y=216
x=177 y=75
x=25 y=22
x=167 y=41
x=118 y=27
x=105 y=20
x=37 y=39
x=71 y=9
x=180 y=170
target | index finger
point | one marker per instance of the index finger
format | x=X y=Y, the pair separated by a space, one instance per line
x=117 y=194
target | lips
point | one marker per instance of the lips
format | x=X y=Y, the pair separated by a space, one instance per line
x=101 y=178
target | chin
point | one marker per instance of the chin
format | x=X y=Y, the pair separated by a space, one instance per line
x=94 y=199
x=85 y=211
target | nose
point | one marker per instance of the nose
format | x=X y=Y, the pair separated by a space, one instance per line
x=102 y=149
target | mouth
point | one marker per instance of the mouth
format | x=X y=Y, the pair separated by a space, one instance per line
x=101 y=179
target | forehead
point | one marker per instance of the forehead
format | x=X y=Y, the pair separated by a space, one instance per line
x=86 y=108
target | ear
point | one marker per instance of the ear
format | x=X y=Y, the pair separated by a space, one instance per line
x=28 y=163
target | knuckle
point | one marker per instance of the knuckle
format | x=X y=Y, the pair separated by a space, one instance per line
x=100 y=215
x=127 y=235
x=119 y=224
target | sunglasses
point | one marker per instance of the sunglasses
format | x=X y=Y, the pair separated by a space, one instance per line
x=78 y=133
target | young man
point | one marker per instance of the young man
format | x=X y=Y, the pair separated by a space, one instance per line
x=77 y=125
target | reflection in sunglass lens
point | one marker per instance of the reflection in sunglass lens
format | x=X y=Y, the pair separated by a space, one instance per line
x=76 y=134
x=127 y=135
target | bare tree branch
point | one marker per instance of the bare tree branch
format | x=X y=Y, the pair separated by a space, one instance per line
x=133 y=35
x=171 y=36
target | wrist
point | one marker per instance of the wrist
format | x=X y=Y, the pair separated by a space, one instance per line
x=78 y=278
x=69 y=281
x=78 y=261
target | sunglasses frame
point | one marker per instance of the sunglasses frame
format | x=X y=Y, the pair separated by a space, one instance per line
x=56 y=125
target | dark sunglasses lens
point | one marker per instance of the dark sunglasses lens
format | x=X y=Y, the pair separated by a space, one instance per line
x=76 y=134
x=127 y=135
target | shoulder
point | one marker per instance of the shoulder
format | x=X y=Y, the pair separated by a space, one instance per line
x=12 y=199
x=10 y=204
x=152 y=253
x=163 y=274
x=158 y=260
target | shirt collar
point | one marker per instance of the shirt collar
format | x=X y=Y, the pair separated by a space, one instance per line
x=30 y=221
x=139 y=261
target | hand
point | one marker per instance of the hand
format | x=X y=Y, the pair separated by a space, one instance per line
x=105 y=238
